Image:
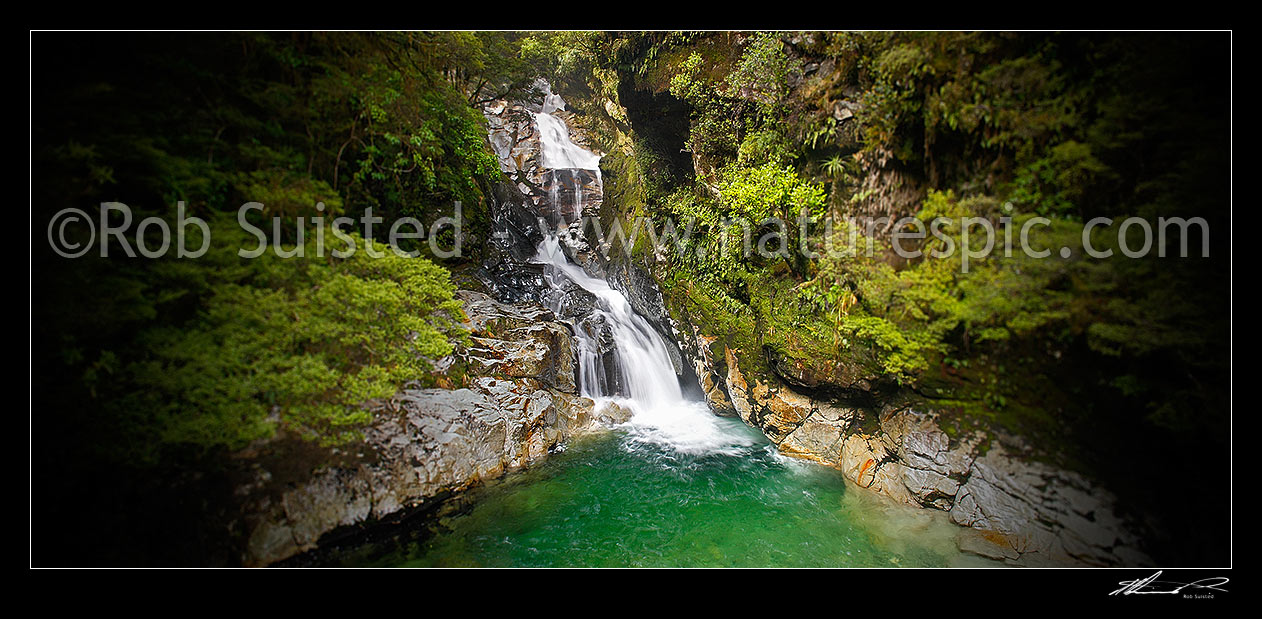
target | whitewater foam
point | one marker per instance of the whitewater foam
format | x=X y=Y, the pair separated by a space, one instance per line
x=660 y=414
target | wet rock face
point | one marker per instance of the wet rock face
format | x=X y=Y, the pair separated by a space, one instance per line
x=507 y=270
x=609 y=378
x=573 y=193
x=512 y=281
x=518 y=341
x=710 y=368
x=596 y=325
x=827 y=374
x=572 y=301
x=641 y=291
x=520 y=401
x=1015 y=509
x=567 y=193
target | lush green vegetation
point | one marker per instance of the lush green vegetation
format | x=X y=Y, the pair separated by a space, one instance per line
x=293 y=343
x=998 y=126
x=169 y=365
x=149 y=360
x=1101 y=364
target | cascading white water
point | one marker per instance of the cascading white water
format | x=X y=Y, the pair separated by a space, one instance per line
x=644 y=364
x=561 y=156
x=660 y=412
x=558 y=151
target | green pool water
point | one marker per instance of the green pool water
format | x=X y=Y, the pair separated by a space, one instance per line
x=640 y=496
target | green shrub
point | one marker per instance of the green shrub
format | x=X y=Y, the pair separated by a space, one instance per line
x=299 y=344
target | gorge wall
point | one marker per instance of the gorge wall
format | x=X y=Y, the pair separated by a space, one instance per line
x=1014 y=506
x=514 y=396
x=516 y=401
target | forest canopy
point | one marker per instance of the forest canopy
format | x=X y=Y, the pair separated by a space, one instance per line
x=1063 y=126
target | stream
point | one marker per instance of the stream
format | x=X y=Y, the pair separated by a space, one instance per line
x=676 y=486
x=678 y=489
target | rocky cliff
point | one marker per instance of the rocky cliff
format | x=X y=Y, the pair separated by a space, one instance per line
x=518 y=399
x=1017 y=509
x=517 y=402
x=845 y=414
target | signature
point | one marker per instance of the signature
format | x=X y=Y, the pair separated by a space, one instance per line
x=1152 y=585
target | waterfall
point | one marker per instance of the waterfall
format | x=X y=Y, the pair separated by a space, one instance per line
x=564 y=160
x=643 y=363
x=646 y=375
x=559 y=153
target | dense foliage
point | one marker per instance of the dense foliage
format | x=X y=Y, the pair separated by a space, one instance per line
x=148 y=360
x=1103 y=364
x=293 y=343
x=170 y=364
x=1005 y=127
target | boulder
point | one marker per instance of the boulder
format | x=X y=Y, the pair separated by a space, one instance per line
x=611 y=413
x=518 y=341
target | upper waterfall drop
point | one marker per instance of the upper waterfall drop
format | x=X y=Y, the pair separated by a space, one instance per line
x=559 y=153
x=557 y=150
